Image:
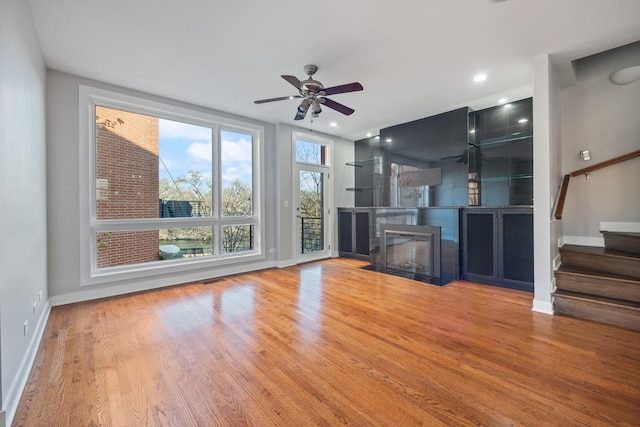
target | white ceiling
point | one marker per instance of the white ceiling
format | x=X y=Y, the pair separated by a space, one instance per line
x=415 y=58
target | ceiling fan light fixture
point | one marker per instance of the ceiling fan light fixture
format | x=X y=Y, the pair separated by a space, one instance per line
x=315 y=107
x=304 y=106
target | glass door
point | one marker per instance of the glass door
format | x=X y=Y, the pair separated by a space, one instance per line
x=312 y=223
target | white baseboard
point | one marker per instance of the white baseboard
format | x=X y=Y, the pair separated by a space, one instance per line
x=285 y=263
x=20 y=380
x=545 y=307
x=104 y=291
x=583 y=241
x=620 y=227
x=556 y=262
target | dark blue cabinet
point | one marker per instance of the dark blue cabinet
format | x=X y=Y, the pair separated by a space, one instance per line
x=498 y=246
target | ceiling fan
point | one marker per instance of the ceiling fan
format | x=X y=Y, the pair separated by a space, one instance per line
x=313 y=94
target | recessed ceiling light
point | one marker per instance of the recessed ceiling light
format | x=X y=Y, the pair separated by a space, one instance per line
x=626 y=75
x=333 y=124
x=523 y=120
x=291 y=97
x=502 y=100
x=377 y=136
x=388 y=140
x=472 y=131
x=508 y=105
x=479 y=78
x=368 y=134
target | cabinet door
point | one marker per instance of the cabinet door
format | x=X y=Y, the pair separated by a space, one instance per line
x=345 y=227
x=517 y=248
x=362 y=233
x=480 y=245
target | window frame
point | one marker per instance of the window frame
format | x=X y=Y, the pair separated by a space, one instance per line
x=89 y=98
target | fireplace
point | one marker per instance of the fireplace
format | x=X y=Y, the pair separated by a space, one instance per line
x=411 y=251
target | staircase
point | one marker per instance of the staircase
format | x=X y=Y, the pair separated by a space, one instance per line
x=601 y=284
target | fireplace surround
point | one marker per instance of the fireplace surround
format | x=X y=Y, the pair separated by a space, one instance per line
x=411 y=251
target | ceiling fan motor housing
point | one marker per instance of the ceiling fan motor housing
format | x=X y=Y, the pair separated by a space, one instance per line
x=310 y=69
x=310 y=87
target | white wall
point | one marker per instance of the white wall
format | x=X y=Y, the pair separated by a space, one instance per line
x=547 y=178
x=23 y=236
x=603 y=118
x=64 y=209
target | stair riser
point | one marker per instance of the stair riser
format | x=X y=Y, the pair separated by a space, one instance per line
x=622 y=242
x=607 y=264
x=609 y=288
x=618 y=316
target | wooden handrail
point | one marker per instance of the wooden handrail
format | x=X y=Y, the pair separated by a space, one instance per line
x=606 y=163
x=565 y=182
x=562 y=196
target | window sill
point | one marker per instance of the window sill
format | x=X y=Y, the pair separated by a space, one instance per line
x=118 y=274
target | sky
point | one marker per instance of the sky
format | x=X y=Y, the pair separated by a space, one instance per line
x=185 y=147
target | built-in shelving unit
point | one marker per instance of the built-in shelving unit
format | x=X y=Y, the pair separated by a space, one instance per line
x=482 y=198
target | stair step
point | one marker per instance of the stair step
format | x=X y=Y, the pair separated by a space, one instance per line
x=587 y=281
x=601 y=259
x=625 y=314
x=626 y=242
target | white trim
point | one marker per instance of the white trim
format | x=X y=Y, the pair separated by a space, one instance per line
x=89 y=275
x=556 y=262
x=154 y=283
x=583 y=241
x=620 y=227
x=542 y=307
x=286 y=263
x=329 y=207
x=15 y=391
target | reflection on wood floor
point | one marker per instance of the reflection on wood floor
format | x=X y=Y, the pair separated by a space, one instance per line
x=328 y=343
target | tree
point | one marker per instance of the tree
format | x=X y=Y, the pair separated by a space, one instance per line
x=195 y=188
x=237 y=202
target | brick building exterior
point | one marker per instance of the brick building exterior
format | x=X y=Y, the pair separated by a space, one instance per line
x=126 y=183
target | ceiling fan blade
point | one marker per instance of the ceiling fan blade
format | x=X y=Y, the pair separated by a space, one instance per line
x=337 y=106
x=282 y=98
x=293 y=80
x=349 y=87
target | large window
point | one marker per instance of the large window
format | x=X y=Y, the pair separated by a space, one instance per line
x=169 y=186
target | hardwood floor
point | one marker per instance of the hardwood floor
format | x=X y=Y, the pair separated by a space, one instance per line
x=329 y=344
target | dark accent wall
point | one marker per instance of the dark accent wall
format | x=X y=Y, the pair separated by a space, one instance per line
x=436 y=142
x=480 y=158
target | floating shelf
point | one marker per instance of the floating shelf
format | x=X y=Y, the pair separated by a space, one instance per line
x=502 y=140
x=358 y=188
x=502 y=178
x=361 y=163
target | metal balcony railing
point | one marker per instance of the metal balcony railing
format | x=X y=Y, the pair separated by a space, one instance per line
x=311 y=235
x=182 y=208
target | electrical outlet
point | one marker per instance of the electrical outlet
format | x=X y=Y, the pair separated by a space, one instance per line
x=26 y=327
